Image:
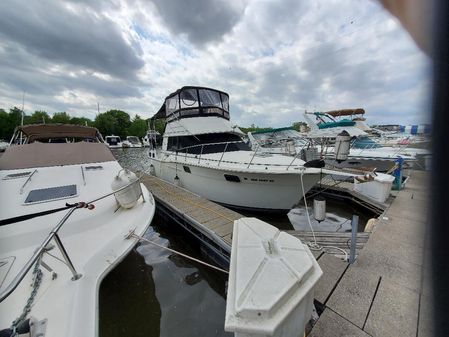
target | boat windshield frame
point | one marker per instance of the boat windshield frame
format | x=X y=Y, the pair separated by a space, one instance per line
x=192 y=101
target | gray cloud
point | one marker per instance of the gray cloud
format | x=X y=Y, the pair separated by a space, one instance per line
x=48 y=29
x=202 y=21
x=23 y=73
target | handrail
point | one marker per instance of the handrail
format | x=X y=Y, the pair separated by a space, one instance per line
x=53 y=234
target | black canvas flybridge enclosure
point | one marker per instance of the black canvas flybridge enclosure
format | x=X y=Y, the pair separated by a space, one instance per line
x=192 y=101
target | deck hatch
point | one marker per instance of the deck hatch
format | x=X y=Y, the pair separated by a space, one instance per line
x=91 y=168
x=17 y=175
x=51 y=193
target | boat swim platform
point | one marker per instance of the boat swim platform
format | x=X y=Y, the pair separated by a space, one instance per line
x=385 y=292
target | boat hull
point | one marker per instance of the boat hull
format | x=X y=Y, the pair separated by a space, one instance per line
x=277 y=192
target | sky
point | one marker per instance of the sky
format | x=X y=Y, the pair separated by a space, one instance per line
x=275 y=59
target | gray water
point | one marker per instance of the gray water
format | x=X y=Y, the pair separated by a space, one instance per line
x=153 y=292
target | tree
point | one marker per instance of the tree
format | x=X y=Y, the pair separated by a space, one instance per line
x=4 y=120
x=39 y=117
x=81 y=121
x=60 y=117
x=138 y=127
x=106 y=124
x=297 y=126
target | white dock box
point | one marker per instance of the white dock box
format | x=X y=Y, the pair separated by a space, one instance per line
x=378 y=189
x=271 y=280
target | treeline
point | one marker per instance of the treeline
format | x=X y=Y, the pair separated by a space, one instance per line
x=116 y=122
x=112 y=122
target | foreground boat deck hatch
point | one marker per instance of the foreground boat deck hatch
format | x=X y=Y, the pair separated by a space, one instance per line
x=52 y=193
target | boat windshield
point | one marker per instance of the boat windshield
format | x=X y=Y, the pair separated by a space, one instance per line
x=365 y=143
x=279 y=137
x=113 y=140
x=133 y=139
x=207 y=143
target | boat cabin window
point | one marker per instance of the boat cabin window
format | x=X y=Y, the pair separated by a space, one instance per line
x=211 y=143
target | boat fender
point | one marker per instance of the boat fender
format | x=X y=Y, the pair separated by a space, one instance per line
x=342 y=146
x=176 y=180
x=317 y=163
x=152 y=170
x=126 y=198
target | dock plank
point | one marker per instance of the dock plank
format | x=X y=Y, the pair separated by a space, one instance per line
x=331 y=324
x=394 y=311
x=333 y=268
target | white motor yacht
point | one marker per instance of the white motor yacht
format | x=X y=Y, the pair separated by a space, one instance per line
x=62 y=228
x=132 y=141
x=202 y=152
x=114 y=142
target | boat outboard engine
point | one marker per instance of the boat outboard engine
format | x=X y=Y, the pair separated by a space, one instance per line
x=126 y=198
x=342 y=145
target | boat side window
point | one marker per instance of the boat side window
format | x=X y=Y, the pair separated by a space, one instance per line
x=213 y=143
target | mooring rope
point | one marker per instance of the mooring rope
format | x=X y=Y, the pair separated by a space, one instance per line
x=141 y=238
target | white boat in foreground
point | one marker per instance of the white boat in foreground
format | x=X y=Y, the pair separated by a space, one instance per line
x=51 y=266
x=202 y=152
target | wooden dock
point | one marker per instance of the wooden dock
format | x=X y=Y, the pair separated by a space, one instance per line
x=209 y=222
x=383 y=292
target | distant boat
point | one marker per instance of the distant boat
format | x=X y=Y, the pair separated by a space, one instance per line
x=113 y=142
x=132 y=141
x=3 y=145
x=61 y=228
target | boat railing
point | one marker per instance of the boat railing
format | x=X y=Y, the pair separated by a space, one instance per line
x=53 y=235
x=184 y=153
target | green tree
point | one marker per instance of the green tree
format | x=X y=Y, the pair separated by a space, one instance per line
x=60 y=117
x=39 y=117
x=81 y=121
x=115 y=122
x=297 y=126
x=106 y=124
x=138 y=127
x=4 y=120
x=122 y=118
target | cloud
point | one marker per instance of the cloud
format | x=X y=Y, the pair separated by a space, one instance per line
x=74 y=35
x=202 y=21
x=275 y=59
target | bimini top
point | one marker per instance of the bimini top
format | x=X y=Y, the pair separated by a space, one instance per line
x=193 y=101
x=346 y=112
x=56 y=133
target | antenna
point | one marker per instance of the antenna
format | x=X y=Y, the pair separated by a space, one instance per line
x=98 y=107
x=23 y=106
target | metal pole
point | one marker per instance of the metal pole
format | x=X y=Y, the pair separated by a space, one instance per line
x=354 y=225
x=76 y=276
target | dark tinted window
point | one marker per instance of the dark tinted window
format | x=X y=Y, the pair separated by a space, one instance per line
x=192 y=144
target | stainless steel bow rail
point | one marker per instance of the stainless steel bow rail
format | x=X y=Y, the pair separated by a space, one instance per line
x=54 y=235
